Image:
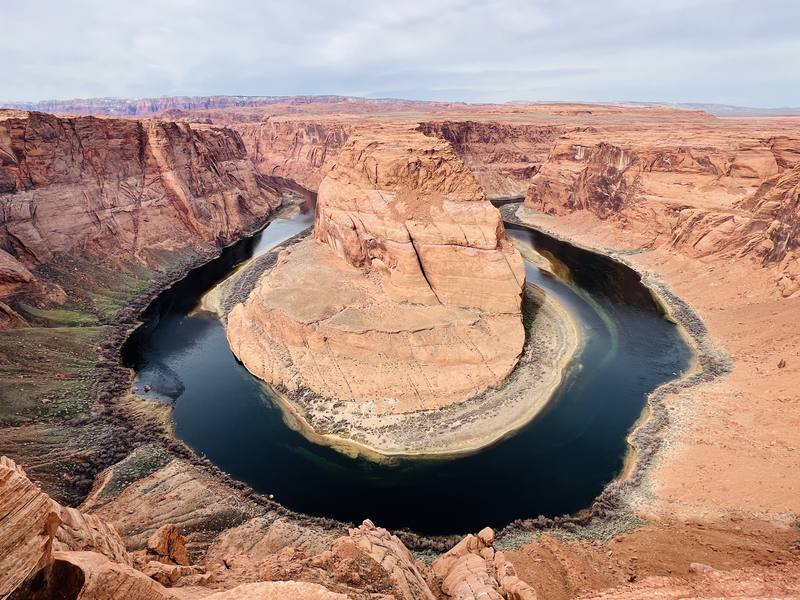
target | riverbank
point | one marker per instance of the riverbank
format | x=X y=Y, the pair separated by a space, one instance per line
x=709 y=362
x=553 y=340
x=709 y=479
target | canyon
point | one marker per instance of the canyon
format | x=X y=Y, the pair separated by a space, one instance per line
x=100 y=212
x=418 y=291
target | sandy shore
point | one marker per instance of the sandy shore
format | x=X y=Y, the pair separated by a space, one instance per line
x=553 y=340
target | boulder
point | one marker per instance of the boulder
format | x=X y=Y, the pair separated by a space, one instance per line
x=168 y=546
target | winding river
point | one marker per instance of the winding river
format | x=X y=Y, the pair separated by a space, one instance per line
x=555 y=465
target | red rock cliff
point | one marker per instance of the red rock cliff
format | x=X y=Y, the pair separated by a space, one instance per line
x=725 y=192
x=502 y=156
x=119 y=192
x=297 y=150
x=410 y=292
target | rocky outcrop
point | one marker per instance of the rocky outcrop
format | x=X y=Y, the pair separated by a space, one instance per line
x=388 y=553
x=405 y=208
x=86 y=559
x=13 y=274
x=502 y=156
x=86 y=532
x=731 y=196
x=43 y=548
x=367 y=562
x=28 y=523
x=167 y=546
x=122 y=193
x=411 y=293
x=92 y=576
x=474 y=570
x=295 y=149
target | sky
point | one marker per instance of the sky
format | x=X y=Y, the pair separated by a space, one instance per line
x=741 y=52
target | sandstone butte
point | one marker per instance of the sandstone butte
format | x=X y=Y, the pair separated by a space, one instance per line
x=707 y=206
x=408 y=296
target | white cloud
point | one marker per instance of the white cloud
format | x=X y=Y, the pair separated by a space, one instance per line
x=492 y=50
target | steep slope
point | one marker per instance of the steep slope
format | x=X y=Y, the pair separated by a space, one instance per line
x=295 y=149
x=718 y=194
x=502 y=156
x=82 y=193
x=411 y=291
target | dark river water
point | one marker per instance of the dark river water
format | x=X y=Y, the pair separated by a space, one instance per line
x=556 y=465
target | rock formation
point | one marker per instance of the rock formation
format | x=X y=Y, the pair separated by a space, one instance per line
x=411 y=294
x=122 y=193
x=87 y=532
x=28 y=522
x=714 y=202
x=299 y=150
x=721 y=194
x=474 y=570
x=502 y=156
x=167 y=546
x=44 y=556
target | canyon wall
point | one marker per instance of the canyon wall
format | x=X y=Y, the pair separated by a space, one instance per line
x=150 y=106
x=502 y=156
x=123 y=194
x=721 y=194
x=297 y=150
x=411 y=291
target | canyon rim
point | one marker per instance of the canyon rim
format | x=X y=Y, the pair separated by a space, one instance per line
x=334 y=347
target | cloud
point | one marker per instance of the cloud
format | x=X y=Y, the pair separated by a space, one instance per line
x=729 y=51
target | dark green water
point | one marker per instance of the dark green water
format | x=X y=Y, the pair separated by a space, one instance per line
x=555 y=465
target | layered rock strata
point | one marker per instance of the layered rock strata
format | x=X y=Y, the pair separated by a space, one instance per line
x=502 y=156
x=722 y=194
x=474 y=570
x=407 y=298
x=45 y=555
x=296 y=149
x=120 y=193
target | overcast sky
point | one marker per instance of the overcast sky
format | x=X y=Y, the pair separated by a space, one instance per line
x=743 y=52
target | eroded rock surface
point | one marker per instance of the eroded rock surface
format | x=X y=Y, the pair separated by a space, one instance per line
x=408 y=297
x=120 y=193
x=296 y=149
x=28 y=523
x=167 y=546
x=474 y=570
x=502 y=156
x=718 y=192
x=87 y=532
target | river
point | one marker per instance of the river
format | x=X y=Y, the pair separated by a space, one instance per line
x=555 y=465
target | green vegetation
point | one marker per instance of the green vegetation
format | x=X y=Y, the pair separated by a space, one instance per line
x=144 y=461
x=94 y=291
x=57 y=317
x=47 y=373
